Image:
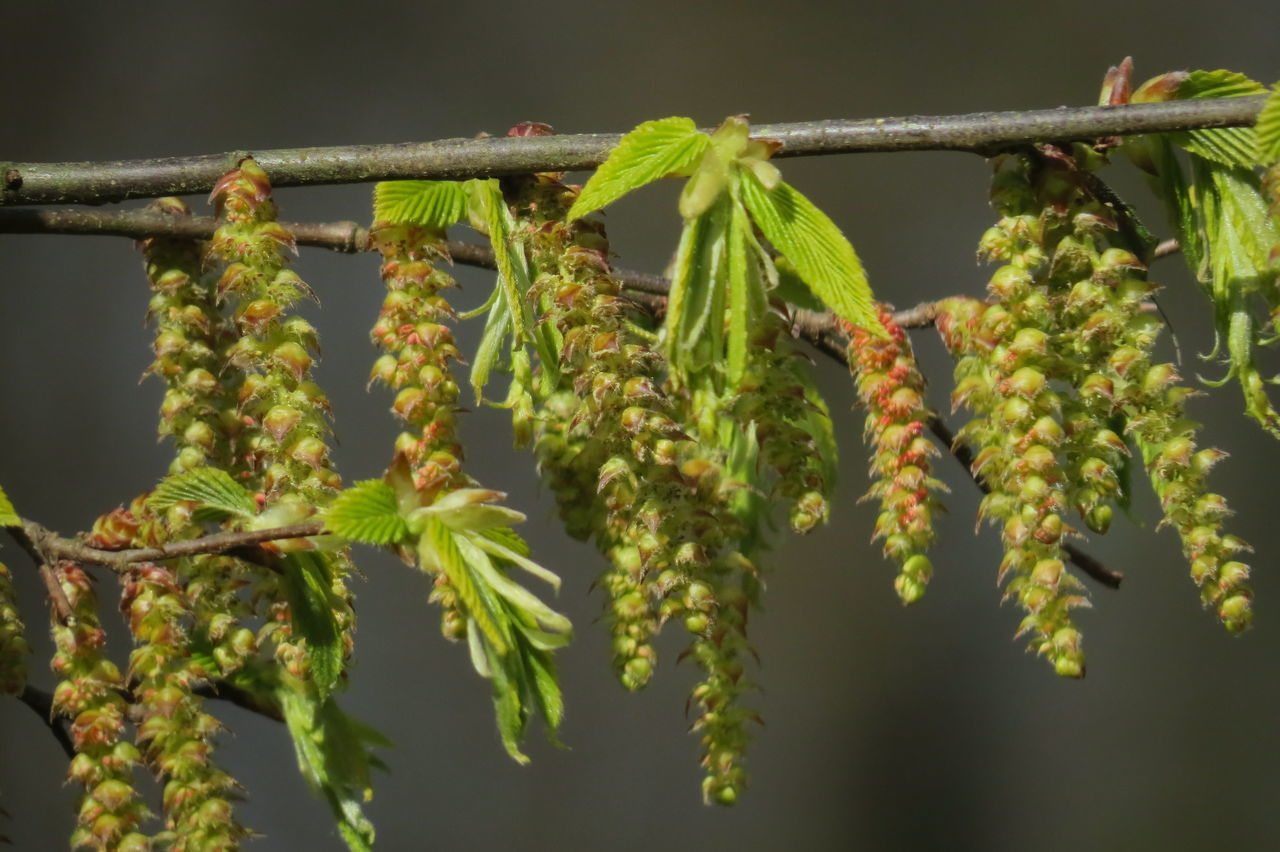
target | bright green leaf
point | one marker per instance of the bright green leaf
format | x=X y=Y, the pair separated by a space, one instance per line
x=8 y=515
x=821 y=255
x=473 y=553
x=1231 y=146
x=438 y=550
x=515 y=555
x=309 y=587
x=209 y=486
x=472 y=509
x=1268 y=128
x=367 y=512
x=333 y=752
x=508 y=538
x=433 y=203
x=653 y=150
x=739 y=298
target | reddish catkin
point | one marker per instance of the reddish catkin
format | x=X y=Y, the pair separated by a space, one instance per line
x=892 y=389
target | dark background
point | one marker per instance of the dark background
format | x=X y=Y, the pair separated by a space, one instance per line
x=886 y=728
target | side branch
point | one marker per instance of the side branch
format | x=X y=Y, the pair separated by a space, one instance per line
x=457 y=159
x=49 y=545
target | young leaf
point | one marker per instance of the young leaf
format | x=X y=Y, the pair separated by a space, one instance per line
x=333 y=752
x=739 y=298
x=513 y=275
x=438 y=550
x=434 y=203
x=1231 y=146
x=8 y=515
x=1268 y=128
x=214 y=489
x=311 y=604
x=821 y=255
x=512 y=592
x=547 y=688
x=496 y=329
x=517 y=555
x=653 y=150
x=367 y=512
x=471 y=509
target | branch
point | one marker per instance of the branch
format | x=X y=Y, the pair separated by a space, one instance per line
x=826 y=339
x=41 y=703
x=48 y=545
x=455 y=159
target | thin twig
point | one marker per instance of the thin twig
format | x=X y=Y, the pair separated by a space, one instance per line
x=57 y=597
x=223 y=691
x=830 y=343
x=455 y=159
x=50 y=544
x=1082 y=560
x=41 y=703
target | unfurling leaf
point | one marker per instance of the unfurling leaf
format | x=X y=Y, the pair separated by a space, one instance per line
x=212 y=488
x=1230 y=146
x=470 y=509
x=367 y=512
x=1268 y=128
x=334 y=756
x=312 y=604
x=433 y=203
x=813 y=244
x=653 y=150
x=8 y=515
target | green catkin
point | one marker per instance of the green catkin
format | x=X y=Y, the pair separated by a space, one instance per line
x=411 y=327
x=198 y=595
x=89 y=694
x=1006 y=376
x=281 y=444
x=14 y=648
x=199 y=412
x=775 y=394
x=891 y=387
x=664 y=521
x=173 y=731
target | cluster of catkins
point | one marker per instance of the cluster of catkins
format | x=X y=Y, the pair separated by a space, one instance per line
x=1058 y=371
x=280 y=446
x=89 y=693
x=609 y=437
x=891 y=388
x=412 y=328
x=776 y=397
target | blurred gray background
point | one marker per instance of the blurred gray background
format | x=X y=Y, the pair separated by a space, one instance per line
x=886 y=728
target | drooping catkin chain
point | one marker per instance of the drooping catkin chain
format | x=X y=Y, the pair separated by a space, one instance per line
x=777 y=396
x=1007 y=374
x=412 y=328
x=110 y=811
x=281 y=444
x=663 y=519
x=891 y=387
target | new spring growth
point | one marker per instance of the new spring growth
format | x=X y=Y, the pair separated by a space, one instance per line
x=665 y=523
x=891 y=387
x=283 y=412
x=200 y=413
x=412 y=328
x=110 y=811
